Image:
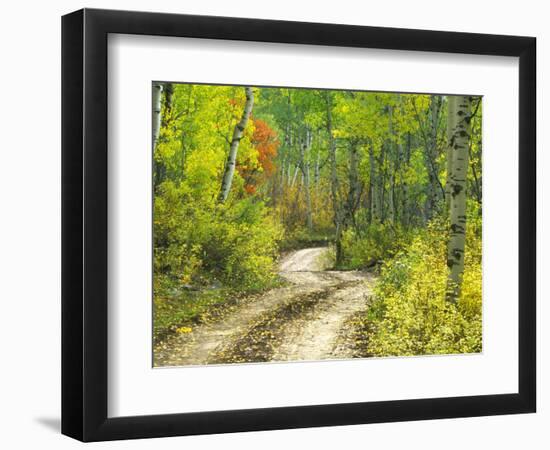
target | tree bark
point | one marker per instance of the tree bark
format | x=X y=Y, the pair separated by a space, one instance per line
x=334 y=183
x=460 y=107
x=293 y=180
x=451 y=124
x=373 y=195
x=435 y=190
x=354 y=185
x=381 y=179
x=391 y=151
x=305 y=147
x=405 y=219
x=233 y=148
x=156 y=107
x=168 y=90
x=476 y=183
x=157 y=91
x=317 y=173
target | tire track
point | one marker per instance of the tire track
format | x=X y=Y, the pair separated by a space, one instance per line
x=298 y=322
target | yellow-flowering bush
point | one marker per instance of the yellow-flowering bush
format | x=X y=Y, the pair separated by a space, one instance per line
x=410 y=315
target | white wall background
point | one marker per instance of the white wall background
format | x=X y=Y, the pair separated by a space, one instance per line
x=30 y=226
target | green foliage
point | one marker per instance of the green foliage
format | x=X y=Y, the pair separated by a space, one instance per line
x=207 y=253
x=303 y=238
x=409 y=314
x=200 y=243
x=178 y=309
x=375 y=243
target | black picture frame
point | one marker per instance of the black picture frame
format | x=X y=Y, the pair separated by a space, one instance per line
x=84 y=224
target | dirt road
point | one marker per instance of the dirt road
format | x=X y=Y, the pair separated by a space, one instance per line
x=301 y=321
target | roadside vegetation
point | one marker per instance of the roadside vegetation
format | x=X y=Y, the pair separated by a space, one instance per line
x=391 y=183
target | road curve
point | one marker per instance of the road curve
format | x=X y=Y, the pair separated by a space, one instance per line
x=298 y=322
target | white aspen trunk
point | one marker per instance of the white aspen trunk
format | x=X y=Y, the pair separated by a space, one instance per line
x=288 y=178
x=451 y=124
x=391 y=189
x=296 y=170
x=354 y=189
x=237 y=136
x=434 y=188
x=382 y=172
x=391 y=198
x=286 y=147
x=460 y=137
x=305 y=167
x=156 y=115
x=317 y=174
x=405 y=198
x=157 y=91
x=334 y=183
x=281 y=171
x=372 y=182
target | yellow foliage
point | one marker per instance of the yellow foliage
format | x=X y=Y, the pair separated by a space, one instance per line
x=410 y=314
x=184 y=330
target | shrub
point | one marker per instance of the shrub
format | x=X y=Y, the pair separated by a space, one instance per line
x=410 y=315
x=199 y=242
x=376 y=243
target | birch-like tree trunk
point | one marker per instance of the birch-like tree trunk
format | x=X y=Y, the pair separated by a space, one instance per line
x=156 y=116
x=381 y=179
x=405 y=217
x=460 y=107
x=293 y=180
x=334 y=183
x=168 y=90
x=317 y=173
x=233 y=148
x=391 y=151
x=373 y=195
x=451 y=124
x=435 y=190
x=304 y=156
x=354 y=192
x=157 y=96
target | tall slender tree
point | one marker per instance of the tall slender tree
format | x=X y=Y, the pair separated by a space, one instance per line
x=451 y=125
x=158 y=164
x=334 y=182
x=168 y=90
x=460 y=108
x=373 y=209
x=238 y=133
x=354 y=193
x=157 y=102
x=304 y=163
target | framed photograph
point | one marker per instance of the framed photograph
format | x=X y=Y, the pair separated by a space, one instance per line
x=273 y=225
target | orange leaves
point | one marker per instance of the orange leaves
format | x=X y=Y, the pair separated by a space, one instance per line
x=250 y=189
x=265 y=141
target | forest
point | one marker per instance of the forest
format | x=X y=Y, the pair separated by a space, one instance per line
x=296 y=224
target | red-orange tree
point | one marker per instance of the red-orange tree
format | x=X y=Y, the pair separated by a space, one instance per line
x=266 y=142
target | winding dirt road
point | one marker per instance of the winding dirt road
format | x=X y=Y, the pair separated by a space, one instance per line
x=301 y=321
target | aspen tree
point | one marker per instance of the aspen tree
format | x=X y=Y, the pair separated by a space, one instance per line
x=460 y=107
x=238 y=133
x=157 y=91
x=334 y=182
x=304 y=152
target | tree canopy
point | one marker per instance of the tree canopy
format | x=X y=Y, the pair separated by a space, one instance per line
x=392 y=182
